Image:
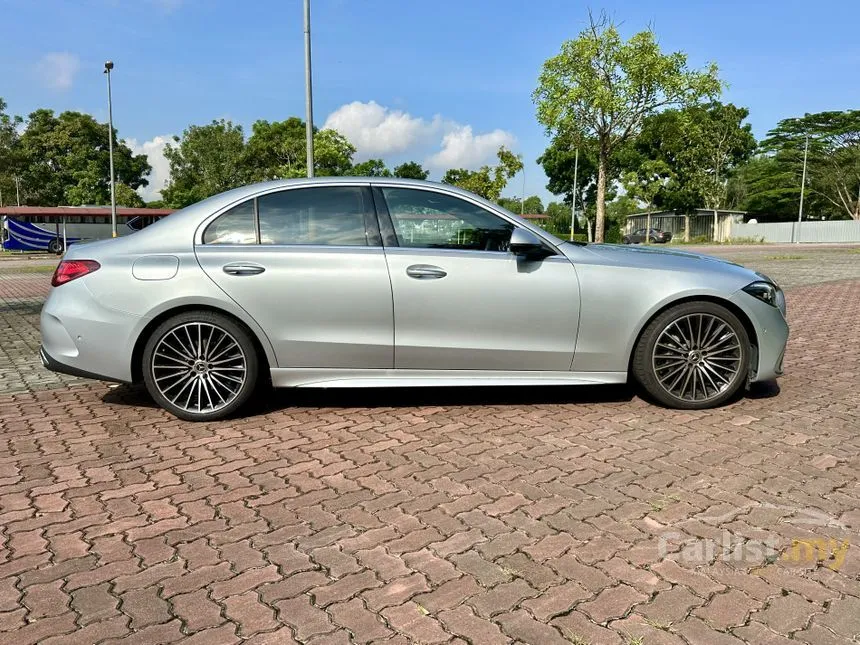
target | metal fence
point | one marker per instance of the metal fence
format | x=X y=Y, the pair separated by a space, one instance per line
x=701 y=226
x=838 y=231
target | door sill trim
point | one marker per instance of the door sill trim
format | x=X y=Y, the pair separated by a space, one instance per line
x=359 y=378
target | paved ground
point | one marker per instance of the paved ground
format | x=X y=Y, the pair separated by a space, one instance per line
x=485 y=516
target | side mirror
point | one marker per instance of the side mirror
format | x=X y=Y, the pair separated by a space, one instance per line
x=527 y=244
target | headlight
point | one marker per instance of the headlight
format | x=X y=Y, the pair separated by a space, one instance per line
x=767 y=292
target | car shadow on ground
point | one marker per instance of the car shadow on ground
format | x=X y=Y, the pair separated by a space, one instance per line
x=268 y=400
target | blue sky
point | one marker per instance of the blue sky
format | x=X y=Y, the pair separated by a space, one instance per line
x=441 y=82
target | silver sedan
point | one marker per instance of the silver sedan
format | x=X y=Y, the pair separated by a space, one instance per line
x=365 y=282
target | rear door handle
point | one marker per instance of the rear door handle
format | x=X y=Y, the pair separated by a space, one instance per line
x=243 y=268
x=425 y=272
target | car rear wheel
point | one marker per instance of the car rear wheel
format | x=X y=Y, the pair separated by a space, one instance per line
x=200 y=366
x=693 y=356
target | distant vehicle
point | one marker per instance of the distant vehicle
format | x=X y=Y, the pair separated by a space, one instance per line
x=369 y=282
x=655 y=236
x=53 y=229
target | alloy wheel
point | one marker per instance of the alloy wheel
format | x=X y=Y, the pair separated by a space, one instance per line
x=697 y=357
x=199 y=367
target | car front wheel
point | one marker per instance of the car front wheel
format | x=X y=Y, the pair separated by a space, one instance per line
x=692 y=356
x=200 y=366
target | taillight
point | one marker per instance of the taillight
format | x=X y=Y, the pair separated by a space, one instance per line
x=69 y=270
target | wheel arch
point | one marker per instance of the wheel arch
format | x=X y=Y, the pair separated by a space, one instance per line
x=152 y=325
x=723 y=302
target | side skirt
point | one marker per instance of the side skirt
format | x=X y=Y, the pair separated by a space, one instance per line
x=347 y=378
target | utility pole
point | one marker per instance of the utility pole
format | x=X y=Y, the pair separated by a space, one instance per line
x=523 y=200
x=18 y=190
x=108 y=68
x=802 y=188
x=573 y=193
x=309 y=102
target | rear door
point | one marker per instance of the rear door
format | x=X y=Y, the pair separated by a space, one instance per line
x=308 y=265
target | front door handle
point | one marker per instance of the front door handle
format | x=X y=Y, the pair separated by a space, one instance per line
x=425 y=272
x=243 y=268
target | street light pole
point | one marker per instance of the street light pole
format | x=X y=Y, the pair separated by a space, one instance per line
x=802 y=188
x=309 y=102
x=573 y=193
x=523 y=200
x=108 y=68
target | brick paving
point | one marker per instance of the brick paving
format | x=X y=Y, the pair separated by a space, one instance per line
x=539 y=515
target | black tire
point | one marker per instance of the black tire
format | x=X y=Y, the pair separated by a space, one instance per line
x=646 y=362
x=243 y=356
x=625 y=240
x=55 y=247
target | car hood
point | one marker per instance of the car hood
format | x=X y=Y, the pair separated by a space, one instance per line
x=660 y=258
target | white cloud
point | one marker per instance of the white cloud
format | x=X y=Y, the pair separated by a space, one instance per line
x=463 y=149
x=154 y=151
x=379 y=131
x=58 y=69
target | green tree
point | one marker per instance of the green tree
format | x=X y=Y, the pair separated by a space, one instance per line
x=276 y=149
x=207 y=160
x=768 y=189
x=559 y=218
x=128 y=197
x=370 y=168
x=65 y=160
x=532 y=205
x=701 y=145
x=411 y=170
x=833 y=167
x=332 y=154
x=10 y=161
x=646 y=181
x=488 y=182
x=603 y=87
x=559 y=162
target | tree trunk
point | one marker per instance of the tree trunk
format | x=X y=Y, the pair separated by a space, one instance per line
x=602 y=162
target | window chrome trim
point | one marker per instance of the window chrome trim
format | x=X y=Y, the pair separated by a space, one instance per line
x=204 y=223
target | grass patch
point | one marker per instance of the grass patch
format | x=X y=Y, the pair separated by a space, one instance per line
x=39 y=268
x=785 y=257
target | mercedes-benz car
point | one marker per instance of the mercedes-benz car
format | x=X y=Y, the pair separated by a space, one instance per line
x=366 y=282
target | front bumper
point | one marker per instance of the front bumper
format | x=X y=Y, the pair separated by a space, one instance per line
x=771 y=334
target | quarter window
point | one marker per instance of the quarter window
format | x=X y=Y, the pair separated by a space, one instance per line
x=327 y=216
x=425 y=219
x=236 y=226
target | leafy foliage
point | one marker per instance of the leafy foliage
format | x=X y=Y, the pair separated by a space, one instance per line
x=488 y=182
x=833 y=166
x=370 y=168
x=699 y=148
x=207 y=160
x=411 y=170
x=532 y=205
x=276 y=149
x=602 y=87
x=65 y=160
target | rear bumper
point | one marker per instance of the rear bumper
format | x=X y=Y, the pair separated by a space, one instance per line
x=81 y=337
x=49 y=362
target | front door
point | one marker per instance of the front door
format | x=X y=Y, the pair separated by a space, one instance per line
x=461 y=300
x=308 y=266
